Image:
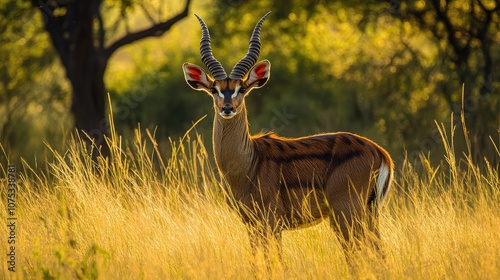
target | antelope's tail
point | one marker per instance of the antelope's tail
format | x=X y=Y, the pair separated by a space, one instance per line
x=384 y=180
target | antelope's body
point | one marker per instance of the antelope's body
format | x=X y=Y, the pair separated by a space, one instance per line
x=282 y=183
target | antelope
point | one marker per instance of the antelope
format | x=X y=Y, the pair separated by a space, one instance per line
x=285 y=183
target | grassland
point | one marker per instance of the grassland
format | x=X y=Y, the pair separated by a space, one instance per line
x=150 y=215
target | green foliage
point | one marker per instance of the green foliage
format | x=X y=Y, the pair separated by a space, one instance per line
x=368 y=67
x=65 y=265
x=161 y=97
x=33 y=99
x=335 y=66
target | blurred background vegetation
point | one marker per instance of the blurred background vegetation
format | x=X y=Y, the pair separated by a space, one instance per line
x=383 y=69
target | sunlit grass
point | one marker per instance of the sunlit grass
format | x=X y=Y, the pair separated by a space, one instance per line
x=143 y=214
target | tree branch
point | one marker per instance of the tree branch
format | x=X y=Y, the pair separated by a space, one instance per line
x=101 y=32
x=443 y=17
x=54 y=25
x=146 y=13
x=155 y=30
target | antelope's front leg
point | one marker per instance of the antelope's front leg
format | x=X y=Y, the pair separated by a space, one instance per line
x=263 y=235
x=267 y=241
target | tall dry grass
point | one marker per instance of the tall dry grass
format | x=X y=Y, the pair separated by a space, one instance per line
x=146 y=215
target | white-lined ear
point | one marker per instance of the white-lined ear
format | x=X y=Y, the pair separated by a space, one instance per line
x=258 y=75
x=196 y=77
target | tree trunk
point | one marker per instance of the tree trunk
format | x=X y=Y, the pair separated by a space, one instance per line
x=81 y=48
x=85 y=70
x=89 y=97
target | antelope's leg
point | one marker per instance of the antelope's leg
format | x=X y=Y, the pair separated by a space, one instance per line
x=348 y=223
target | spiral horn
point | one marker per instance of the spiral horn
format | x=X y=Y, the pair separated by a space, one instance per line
x=207 y=57
x=243 y=66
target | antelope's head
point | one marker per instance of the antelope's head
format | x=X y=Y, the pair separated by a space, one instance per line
x=228 y=92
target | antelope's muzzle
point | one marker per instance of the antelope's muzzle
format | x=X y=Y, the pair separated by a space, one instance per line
x=227 y=111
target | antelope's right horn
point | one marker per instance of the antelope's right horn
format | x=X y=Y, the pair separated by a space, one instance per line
x=207 y=57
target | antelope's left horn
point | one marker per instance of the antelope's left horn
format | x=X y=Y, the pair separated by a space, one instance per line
x=243 y=66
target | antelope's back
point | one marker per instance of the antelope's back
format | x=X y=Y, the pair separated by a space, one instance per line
x=320 y=161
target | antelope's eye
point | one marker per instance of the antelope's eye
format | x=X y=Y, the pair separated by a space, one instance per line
x=242 y=90
x=214 y=91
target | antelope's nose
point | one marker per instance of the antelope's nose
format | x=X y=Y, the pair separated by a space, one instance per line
x=227 y=109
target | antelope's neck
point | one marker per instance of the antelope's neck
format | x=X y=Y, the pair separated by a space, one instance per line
x=233 y=148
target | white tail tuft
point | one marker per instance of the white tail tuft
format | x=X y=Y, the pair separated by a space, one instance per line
x=383 y=181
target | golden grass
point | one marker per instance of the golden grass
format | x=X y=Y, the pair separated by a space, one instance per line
x=145 y=216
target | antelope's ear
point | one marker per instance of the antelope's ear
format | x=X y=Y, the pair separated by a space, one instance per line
x=258 y=75
x=196 y=77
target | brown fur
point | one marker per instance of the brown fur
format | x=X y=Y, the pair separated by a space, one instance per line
x=287 y=183
x=282 y=183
